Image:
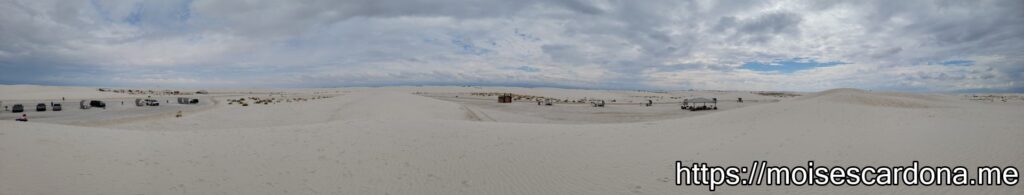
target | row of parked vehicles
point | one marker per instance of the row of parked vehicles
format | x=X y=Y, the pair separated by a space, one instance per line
x=41 y=107
x=87 y=104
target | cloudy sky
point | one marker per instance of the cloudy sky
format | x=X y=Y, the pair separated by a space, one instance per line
x=675 y=44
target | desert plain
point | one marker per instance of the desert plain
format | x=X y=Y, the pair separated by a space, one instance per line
x=460 y=140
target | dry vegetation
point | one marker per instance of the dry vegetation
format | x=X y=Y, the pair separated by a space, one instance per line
x=777 y=94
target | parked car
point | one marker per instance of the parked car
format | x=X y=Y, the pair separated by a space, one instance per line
x=152 y=102
x=185 y=100
x=98 y=104
x=56 y=107
x=41 y=107
x=17 y=108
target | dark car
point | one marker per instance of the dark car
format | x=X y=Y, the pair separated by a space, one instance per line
x=17 y=108
x=56 y=107
x=41 y=107
x=97 y=103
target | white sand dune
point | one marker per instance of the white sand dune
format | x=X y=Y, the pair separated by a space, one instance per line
x=389 y=141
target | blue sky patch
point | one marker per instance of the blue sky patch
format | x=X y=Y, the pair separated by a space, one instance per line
x=788 y=65
x=103 y=13
x=466 y=46
x=135 y=17
x=958 y=62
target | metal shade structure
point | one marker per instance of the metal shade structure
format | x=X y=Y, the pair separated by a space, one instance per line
x=691 y=104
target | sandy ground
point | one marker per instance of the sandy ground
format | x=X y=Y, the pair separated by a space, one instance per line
x=425 y=140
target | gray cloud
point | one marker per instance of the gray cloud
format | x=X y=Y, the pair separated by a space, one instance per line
x=773 y=23
x=760 y=29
